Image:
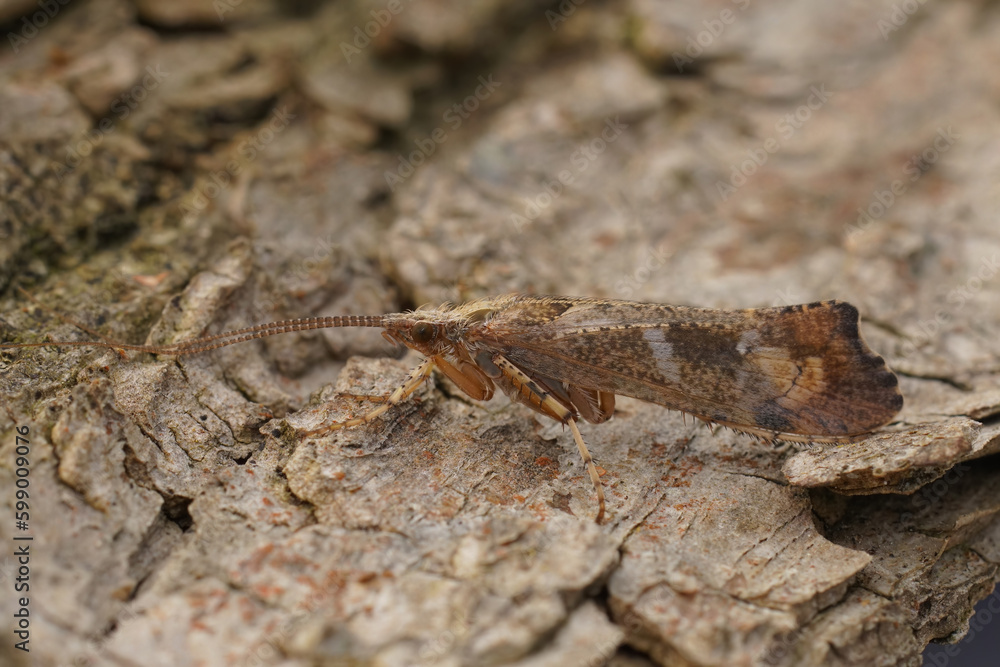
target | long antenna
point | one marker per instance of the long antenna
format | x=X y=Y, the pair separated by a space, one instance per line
x=223 y=339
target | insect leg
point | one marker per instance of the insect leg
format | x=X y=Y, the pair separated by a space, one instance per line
x=410 y=385
x=592 y=405
x=363 y=397
x=530 y=393
x=595 y=406
x=467 y=377
x=588 y=460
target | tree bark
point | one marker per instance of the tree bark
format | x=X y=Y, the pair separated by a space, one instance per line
x=346 y=162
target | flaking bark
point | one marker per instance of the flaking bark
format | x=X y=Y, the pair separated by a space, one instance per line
x=180 y=516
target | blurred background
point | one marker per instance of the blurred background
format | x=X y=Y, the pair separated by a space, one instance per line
x=267 y=160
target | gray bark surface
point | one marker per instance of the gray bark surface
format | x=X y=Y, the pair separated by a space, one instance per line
x=255 y=168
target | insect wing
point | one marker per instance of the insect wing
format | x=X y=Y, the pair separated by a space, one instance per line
x=799 y=370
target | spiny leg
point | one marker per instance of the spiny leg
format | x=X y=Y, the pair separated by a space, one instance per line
x=588 y=460
x=534 y=396
x=410 y=385
x=363 y=397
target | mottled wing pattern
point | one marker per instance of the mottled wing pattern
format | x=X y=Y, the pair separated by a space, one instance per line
x=799 y=370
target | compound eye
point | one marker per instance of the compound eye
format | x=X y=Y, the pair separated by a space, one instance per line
x=423 y=332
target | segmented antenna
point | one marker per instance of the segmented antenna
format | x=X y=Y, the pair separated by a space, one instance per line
x=223 y=339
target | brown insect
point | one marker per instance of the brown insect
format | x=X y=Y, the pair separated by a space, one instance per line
x=798 y=373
